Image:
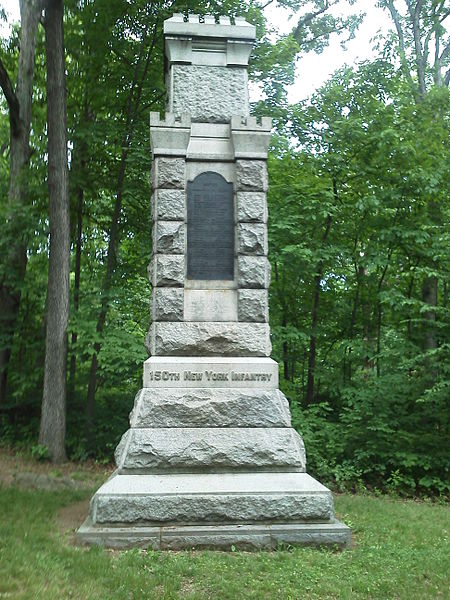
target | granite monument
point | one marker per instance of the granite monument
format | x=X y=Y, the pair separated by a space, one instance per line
x=210 y=459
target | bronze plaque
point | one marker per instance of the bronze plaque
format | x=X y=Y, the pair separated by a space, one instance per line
x=210 y=228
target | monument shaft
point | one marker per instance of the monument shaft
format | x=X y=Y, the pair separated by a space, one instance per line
x=210 y=459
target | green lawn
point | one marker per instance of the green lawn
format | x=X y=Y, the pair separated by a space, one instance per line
x=401 y=550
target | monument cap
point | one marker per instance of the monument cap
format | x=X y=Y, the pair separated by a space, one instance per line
x=202 y=41
x=206 y=66
x=197 y=26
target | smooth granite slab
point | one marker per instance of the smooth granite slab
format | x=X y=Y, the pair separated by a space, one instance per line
x=210 y=372
x=207 y=497
x=264 y=536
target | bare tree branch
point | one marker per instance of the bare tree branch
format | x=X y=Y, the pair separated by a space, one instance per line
x=445 y=53
x=418 y=9
x=420 y=58
x=310 y=16
x=401 y=42
x=437 y=65
x=447 y=78
x=444 y=16
x=11 y=99
x=266 y=4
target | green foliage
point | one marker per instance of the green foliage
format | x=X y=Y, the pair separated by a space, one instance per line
x=375 y=166
x=40 y=452
x=359 y=213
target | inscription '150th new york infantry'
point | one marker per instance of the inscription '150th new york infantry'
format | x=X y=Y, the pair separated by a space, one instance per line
x=207 y=376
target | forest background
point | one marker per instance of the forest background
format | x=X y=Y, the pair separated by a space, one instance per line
x=358 y=232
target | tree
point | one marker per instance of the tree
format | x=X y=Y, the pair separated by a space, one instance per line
x=423 y=46
x=19 y=102
x=358 y=292
x=274 y=64
x=149 y=32
x=53 y=416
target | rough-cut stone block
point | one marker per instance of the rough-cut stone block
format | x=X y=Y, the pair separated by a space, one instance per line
x=252 y=238
x=168 y=205
x=253 y=272
x=168 y=237
x=210 y=372
x=166 y=270
x=167 y=304
x=208 y=93
x=168 y=173
x=197 y=449
x=253 y=306
x=251 y=207
x=200 y=407
x=251 y=175
x=203 y=498
x=210 y=339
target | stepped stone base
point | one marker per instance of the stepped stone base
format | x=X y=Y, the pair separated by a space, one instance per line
x=212 y=497
x=249 y=510
x=211 y=461
x=217 y=537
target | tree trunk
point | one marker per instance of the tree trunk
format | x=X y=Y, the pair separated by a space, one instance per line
x=76 y=290
x=315 y=317
x=111 y=262
x=379 y=318
x=359 y=270
x=53 y=416
x=19 y=104
x=285 y=351
x=80 y=150
x=430 y=297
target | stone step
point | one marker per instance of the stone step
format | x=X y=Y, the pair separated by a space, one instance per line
x=217 y=537
x=210 y=448
x=227 y=338
x=211 y=498
x=210 y=407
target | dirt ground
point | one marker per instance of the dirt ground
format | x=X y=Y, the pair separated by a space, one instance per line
x=21 y=470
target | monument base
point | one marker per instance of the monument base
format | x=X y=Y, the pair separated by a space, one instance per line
x=211 y=461
x=264 y=536
x=212 y=510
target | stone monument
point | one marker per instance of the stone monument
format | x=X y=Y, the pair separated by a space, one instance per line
x=210 y=459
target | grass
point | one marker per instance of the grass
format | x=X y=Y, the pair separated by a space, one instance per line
x=401 y=550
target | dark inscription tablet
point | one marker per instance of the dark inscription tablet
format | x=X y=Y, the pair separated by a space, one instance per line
x=210 y=228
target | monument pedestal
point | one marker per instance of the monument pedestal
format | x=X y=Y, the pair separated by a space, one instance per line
x=183 y=511
x=214 y=464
